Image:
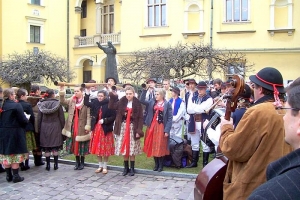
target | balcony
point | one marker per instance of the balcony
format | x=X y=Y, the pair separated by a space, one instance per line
x=90 y=41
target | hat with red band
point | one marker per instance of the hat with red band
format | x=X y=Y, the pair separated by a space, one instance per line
x=269 y=78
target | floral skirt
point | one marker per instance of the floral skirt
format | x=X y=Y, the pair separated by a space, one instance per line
x=135 y=145
x=30 y=141
x=10 y=159
x=83 y=147
x=50 y=149
x=101 y=144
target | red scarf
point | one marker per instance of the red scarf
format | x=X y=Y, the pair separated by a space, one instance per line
x=149 y=138
x=75 y=131
x=126 y=141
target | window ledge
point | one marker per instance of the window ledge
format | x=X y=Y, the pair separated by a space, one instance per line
x=31 y=4
x=236 y=32
x=289 y=31
x=200 y=34
x=156 y=35
x=35 y=43
x=150 y=27
x=237 y=22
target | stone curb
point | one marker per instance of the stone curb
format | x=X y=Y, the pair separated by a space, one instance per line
x=137 y=170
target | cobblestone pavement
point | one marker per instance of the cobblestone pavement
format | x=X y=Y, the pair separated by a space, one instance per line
x=66 y=183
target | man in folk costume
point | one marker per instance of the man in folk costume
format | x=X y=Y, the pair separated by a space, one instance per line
x=190 y=117
x=197 y=106
x=257 y=140
x=179 y=111
x=166 y=86
x=151 y=82
x=186 y=116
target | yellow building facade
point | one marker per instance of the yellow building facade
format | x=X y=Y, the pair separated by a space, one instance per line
x=33 y=25
x=266 y=31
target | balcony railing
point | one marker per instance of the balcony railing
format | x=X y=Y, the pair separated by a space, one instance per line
x=88 y=41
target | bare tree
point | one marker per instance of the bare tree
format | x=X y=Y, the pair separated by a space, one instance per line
x=179 y=61
x=23 y=69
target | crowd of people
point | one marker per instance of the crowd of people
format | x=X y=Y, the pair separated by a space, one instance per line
x=110 y=122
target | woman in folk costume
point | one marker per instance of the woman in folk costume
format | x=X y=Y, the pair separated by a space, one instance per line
x=102 y=121
x=77 y=126
x=128 y=127
x=51 y=121
x=33 y=98
x=159 y=121
x=179 y=111
x=12 y=135
x=30 y=137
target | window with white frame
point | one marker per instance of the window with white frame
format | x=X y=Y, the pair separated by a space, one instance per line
x=237 y=10
x=108 y=19
x=156 y=10
x=35 y=30
x=36 y=2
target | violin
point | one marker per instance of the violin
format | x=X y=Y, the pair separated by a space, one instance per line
x=209 y=182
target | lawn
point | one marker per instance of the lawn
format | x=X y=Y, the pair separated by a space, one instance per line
x=142 y=162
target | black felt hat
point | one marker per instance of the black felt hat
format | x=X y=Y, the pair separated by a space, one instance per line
x=246 y=94
x=151 y=79
x=269 y=78
x=126 y=84
x=110 y=78
x=202 y=85
x=176 y=90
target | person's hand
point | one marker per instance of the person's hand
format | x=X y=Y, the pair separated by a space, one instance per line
x=61 y=88
x=224 y=122
x=137 y=135
x=166 y=134
x=27 y=115
x=100 y=121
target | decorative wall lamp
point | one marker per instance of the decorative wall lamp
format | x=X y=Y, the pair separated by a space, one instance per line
x=91 y=62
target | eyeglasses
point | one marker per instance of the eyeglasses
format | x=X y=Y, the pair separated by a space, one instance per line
x=282 y=110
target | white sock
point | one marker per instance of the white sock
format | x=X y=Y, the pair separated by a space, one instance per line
x=100 y=164
x=104 y=165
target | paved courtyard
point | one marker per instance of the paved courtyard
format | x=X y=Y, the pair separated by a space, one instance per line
x=66 y=183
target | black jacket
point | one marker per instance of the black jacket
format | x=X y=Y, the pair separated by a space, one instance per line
x=28 y=110
x=12 y=129
x=108 y=115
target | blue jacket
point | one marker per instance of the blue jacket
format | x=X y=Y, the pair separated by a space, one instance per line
x=167 y=114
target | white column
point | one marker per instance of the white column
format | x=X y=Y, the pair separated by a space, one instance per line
x=272 y=16
x=98 y=17
x=290 y=15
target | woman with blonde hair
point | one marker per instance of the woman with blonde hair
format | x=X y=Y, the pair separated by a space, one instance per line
x=159 y=122
x=12 y=135
x=77 y=126
x=128 y=127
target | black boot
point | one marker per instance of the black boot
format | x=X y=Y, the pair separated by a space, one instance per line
x=126 y=168
x=195 y=159
x=205 y=158
x=48 y=163
x=77 y=163
x=81 y=166
x=55 y=162
x=156 y=164
x=26 y=164
x=160 y=163
x=16 y=177
x=9 y=176
x=132 y=168
x=2 y=169
x=22 y=166
x=38 y=160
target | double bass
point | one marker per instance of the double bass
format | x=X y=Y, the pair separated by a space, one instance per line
x=209 y=182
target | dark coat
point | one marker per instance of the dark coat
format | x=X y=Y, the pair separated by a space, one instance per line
x=108 y=115
x=12 y=129
x=167 y=114
x=28 y=110
x=283 y=177
x=51 y=121
x=137 y=114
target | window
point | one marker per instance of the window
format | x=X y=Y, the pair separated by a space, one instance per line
x=37 y=2
x=237 y=10
x=82 y=32
x=108 y=19
x=83 y=9
x=35 y=34
x=236 y=67
x=157 y=13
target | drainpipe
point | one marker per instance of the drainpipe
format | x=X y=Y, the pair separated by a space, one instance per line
x=209 y=70
x=68 y=39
